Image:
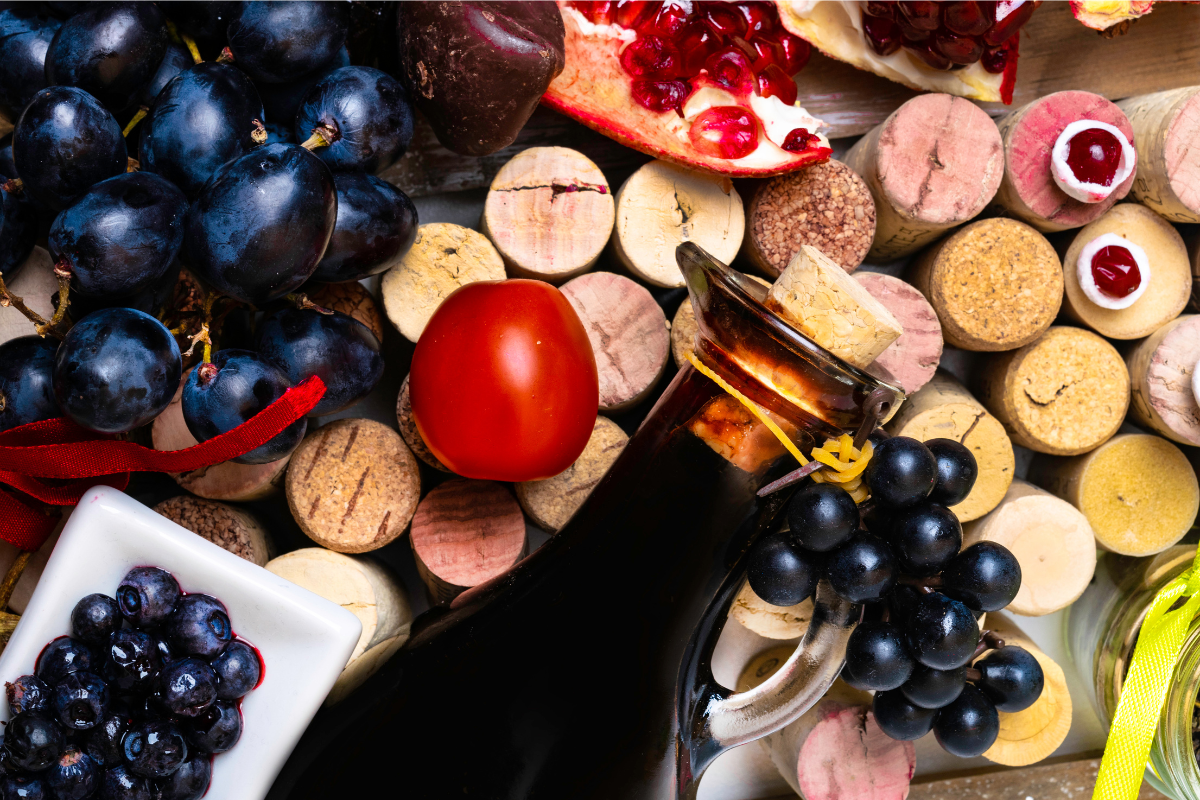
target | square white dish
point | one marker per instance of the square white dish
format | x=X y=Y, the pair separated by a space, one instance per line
x=304 y=639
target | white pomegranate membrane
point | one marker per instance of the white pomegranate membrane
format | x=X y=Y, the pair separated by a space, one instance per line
x=1090 y=159
x=1095 y=270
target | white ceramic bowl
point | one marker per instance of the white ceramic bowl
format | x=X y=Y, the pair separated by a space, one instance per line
x=305 y=640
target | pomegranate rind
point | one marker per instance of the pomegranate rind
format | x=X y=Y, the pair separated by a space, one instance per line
x=594 y=90
x=1100 y=15
x=835 y=28
x=1087 y=281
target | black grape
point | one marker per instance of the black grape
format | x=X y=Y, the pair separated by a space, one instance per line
x=901 y=473
x=176 y=60
x=899 y=718
x=206 y=21
x=363 y=113
x=969 y=725
x=877 y=658
x=934 y=688
x=942 y=633
x=281 y=101
x=25 y=36
x=956 y=470
x=1011 y=678
x=822 y=516
x=152 y=299
x=278 y=134
x=279 y=42
x=985 y=576
x=27 y=381
x=780 y=573
x=925 y=537
x=18 y=230
x=376 y=225
x=863 y=569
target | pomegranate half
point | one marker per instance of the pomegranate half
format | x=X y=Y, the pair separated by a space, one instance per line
x=706 y=85
x=1102 y=15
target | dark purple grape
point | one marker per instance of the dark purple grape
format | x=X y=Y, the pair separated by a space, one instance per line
x=201 y=120
x=238 y=384
x=376 y=225
x=877 y=658
x=95 y=618
x=941 y=633
x=119 y=783
x=190 y=781
x=147 y=596
x=956 y=471
x=281 y=101
x=934 y=688
x=121 y=235
x=822 y=516
x=187 y=687
x=279 y=42
x=104 y=740
x=863 y=569
x=969 y=725
x=238 y=670
x=24 y=787
x=199 y=627
x=18 y=228
x=27 y=693
x=8 y=167
x=27 y=381
x=985 y=576
x=1012 y=678
x=279 y=134
x=66 y=142
x=900 y=719
x=925 y=537
x=132 y=661
x=176 y=60
x=25 y=36
x=337 y=348
x=116 y=370
x=217 y=728
x=780 y=573
x=73 y=776
x=32 y=741
x=62 y=657
x=206 y=21
x=110 y=50
x=150 y=300
x=261 y=226
x=154 y=749
x=902 y=472
x=80 y=701
x=363 y=113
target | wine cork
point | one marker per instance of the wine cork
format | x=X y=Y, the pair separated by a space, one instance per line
x=944 y=409
x=353 y=485
x=443 y=258
x=1161 y=370
x=1170 y=285
x=827 y=206
x=628 y=332
x=549 y=212
x=996 y=284
x=36 y=285
x=365 y=588
x=935 y=163
x=353 y=300
x=1064 y=394
x=466 y=532
x=228 y=480
x=822 y=301
x=1138 y=492
x=684 y=328
x=768 y=621
x=1028 y=191
x=913 y=358
x=1052 y=541
x=233 y=529
x=1028 y=736
x=552 y=501
x=663 y=205
x=409 y=431
x=1166 y=126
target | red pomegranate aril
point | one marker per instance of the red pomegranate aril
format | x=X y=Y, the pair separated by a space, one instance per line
x=969 y=18
x=724 y=20
x=766 y=52
x=882 y=34
x=725 y=132
x=597 y=13
x=1010 y=16
x=876 y=9
x=730 y=68
x=1094 y=155
x=912 y=35
x=774 y=82
x=798 y=140
x=669 y=21
x=696 y=43
x=661 y=96
x=995 y=59
x=958 y=49
x=758 y=19
x=632 y=13
x=1116 y=272
x=650 y=57
x=924 y=15
x=796 y=52
x=930 y=56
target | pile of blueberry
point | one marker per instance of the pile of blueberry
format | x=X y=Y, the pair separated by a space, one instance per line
x=901 y=555
x=235 y=140
x=135 y=703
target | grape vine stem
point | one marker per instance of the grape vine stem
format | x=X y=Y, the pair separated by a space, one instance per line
x=304 y=304
x=203 y=334
x=7 y=298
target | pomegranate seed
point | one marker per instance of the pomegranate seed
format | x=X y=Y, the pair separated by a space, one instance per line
x=725 y=132
x=758 y=19
x=882 y=34
x=1010 y=16
x=995 y=59
x=1116 y=272
x=924 y=15
x=774 y=82
x=910 y=34
x=696 y=43
x=597 y=13
x=660 y=96
x=876 y=9
x=724 y=20
x=730 y=68
x=968 y=19
x=1094 y=156
x=930 y=56
x=958 y=49
x=798 y=140
x=766 y=52
x=796 y=52
x=632 y=13
x=669 y=21
x=650 y=57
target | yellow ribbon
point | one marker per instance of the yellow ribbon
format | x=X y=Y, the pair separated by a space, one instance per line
x=1145 y=688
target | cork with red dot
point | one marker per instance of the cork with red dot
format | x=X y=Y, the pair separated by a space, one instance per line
x=1166 y=126
x=1029 y=190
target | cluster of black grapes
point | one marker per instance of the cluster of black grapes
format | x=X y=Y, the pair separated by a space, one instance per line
x=255 y=169
x=901 y=553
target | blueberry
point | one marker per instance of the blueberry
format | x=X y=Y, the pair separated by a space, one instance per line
x=376 y=225
x=80 y=700
x=190 y=781
x=280 y=42
x=187 y=687
x=217 y=728
x=155 y=749
x=24 y=787
x=121 y=784
x=95 y=618
x=74 y=776
x=26 y=378
x=26 y=31
x=363 y=113
x=27 y=693
x=199 y=627
x=32 y=742
x=133 y=661
x=164 y=650
x=238 y=670
x=62 y=657
x=104 y=740
x=147 y=596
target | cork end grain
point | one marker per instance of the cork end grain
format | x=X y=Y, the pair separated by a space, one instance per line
x=768 y=621
x=353 y=485
x=914 y=357
x=1162 y=369
x=553 y=501
x=466 y=532
x=353 y=300
x=1182 y=157
x=229 y=528
x=409 y=431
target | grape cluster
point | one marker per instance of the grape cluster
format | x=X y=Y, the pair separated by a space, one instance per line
x=901 y=553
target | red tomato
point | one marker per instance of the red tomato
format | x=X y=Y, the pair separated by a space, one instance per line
x=503 y=381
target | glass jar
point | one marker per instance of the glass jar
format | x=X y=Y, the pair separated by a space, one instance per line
x=1102 y=630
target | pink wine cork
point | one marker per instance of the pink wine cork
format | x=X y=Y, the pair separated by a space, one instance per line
x=1161 y=369
x=466 y=532
x=629 y=335
x=936 y=162
x=1028 y=191
x=1166 y=127
x=913 y=358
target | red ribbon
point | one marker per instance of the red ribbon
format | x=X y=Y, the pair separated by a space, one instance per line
x=56 y=460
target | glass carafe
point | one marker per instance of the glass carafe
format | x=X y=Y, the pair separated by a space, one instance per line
x=584 y=671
